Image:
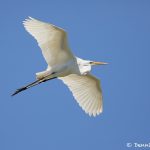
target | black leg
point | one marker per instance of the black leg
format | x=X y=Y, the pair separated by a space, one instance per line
x=32 y=84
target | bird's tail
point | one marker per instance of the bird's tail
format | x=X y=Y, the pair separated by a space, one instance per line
x=31 y=85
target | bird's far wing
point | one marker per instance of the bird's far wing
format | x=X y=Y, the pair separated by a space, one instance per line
x=51 y=39
x=86 y=90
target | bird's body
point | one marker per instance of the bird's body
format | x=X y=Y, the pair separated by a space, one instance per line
x=74 y=66
x=62 y=64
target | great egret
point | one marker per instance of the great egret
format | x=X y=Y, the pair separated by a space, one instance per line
x=62 y=64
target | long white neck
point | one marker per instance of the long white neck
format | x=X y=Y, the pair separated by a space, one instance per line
x=84 y=66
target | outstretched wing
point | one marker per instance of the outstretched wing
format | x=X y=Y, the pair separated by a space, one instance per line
x=51 y=39
x=86 y=90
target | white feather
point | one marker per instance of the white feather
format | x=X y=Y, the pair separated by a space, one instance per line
x=51 y=39
x=73 y=71
x=86 y=90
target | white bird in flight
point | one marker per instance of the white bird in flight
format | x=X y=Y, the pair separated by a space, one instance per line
x=62 y=64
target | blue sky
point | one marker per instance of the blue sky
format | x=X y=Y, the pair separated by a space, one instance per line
x=47 y=116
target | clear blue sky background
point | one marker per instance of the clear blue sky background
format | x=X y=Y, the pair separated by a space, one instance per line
x=47 y=116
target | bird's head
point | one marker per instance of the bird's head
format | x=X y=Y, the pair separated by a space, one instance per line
x=86 y=65
x=89 y=62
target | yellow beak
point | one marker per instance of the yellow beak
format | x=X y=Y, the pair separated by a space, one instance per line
x=99 y=63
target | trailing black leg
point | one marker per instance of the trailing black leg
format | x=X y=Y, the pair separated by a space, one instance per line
x=32 y=84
